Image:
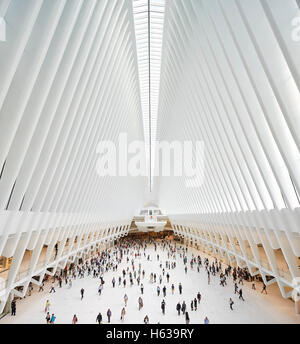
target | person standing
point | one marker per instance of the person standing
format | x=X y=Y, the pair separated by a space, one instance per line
x=125 y=299
x=180 y=288
x=163 y=306
x=206 y=321
x=82 y=293
x=13 y=307
x=146 y=320
x=108 y=315
x=74 y=320
x=158 y=290
x=172 y=288
x=164 y=291
x=142 y=288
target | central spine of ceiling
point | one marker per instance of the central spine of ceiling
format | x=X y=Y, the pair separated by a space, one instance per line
x=150 y=109
x=149 y=23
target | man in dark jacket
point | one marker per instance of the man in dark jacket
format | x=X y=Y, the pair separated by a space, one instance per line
x=99 y=318
x=13 y=307
x=178 y=307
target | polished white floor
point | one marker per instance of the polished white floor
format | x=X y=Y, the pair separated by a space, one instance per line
x=257 y=308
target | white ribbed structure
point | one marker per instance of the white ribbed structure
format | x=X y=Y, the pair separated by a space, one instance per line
x=72 y=75
x=231 y=78
x=69 y=79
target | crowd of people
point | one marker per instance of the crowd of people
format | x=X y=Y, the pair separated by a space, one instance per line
x=128 y=254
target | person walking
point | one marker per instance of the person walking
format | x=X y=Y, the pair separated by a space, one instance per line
x=180 y=288
x=164 y=291
x=52 y=320
x=74 y=320
x=172 y=288
x=125 y=299
x=142 y=288
x=187 y=318
x=183 y=307
x=199 y=297
x=47 y=307
x=206 y=321
x=99 y=318
x=48 y=318
x=231 y=303
x=141 y=304
x=178 y=308
x=241 y=295
x=82 y=293
x=123 y=312
x=264 y=289
x=52 y=288
x=146 y=320
x=158 y=290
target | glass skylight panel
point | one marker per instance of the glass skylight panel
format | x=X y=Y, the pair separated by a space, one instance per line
x=149 y=48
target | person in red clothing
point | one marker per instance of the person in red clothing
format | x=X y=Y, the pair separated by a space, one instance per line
x=75 y=319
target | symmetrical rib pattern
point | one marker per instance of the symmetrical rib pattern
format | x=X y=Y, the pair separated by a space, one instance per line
x=68 y=79
x=231 y=78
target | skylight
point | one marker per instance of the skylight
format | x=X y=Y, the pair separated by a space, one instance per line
x=149 y=23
